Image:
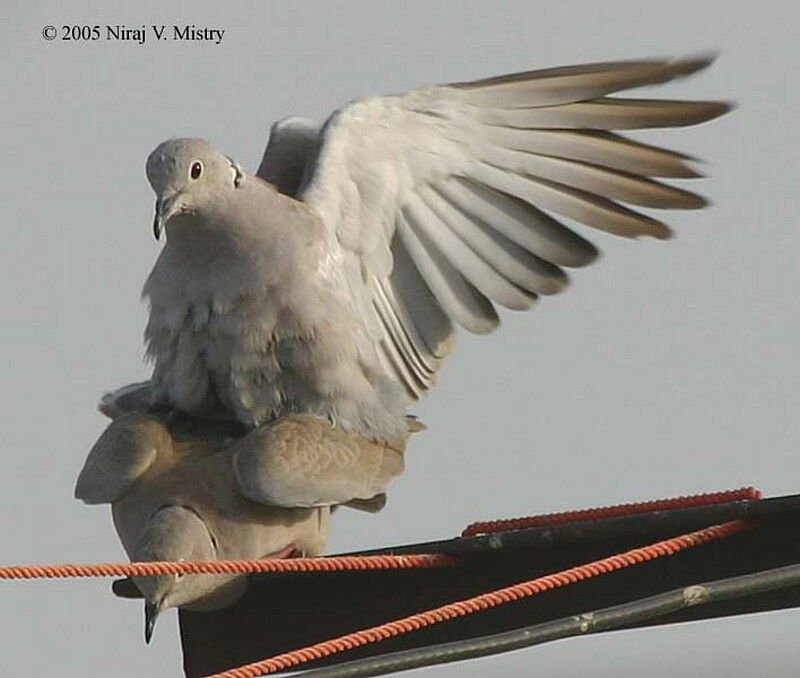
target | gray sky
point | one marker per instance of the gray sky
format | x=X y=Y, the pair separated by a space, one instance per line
x=668 y=368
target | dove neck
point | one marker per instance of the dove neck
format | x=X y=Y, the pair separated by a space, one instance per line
x=199 y=242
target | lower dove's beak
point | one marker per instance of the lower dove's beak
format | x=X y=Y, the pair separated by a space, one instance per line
x=151 y=612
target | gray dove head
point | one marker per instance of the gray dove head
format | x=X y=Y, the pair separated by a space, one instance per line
x=174 y=533
x=186 y=174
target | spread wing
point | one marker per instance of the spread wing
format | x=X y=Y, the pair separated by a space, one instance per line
x=292 y=143
x=446 y=201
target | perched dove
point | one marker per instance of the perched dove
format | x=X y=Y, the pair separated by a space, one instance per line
x=313 y=302
x=208 y=496
x=329 y=283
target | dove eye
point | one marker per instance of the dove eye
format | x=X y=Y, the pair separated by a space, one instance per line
x=197 y=170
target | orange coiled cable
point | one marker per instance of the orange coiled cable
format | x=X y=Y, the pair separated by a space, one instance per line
x=377 y=562
x=157 y=568
x=548 y=519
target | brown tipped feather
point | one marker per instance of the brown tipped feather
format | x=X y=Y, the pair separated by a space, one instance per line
x=596 y=147
x=562 y=85
x=610 y=114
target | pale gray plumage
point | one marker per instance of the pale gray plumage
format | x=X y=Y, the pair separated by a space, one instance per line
x=336 y=294
x=292 y=142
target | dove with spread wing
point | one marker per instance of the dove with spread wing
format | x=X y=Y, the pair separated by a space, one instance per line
x=331 y=282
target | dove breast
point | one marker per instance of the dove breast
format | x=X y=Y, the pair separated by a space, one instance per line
x=245 y=318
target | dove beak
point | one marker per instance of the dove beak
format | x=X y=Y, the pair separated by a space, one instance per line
x=151 y=612
x=166 y=208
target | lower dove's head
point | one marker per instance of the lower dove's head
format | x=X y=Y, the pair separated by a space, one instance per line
x=186 y=175
x=174 y=533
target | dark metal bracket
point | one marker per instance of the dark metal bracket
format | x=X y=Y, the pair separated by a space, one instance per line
x=284 y=612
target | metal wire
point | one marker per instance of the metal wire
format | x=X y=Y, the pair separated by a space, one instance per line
x=605 y=619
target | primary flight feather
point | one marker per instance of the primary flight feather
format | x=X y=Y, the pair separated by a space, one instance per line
x=330 y=282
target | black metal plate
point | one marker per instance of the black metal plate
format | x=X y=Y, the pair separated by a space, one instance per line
x=284 y=612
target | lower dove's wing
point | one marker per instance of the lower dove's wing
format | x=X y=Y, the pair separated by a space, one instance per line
x=305 y=461
x=124 y=451
x=447 y=201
